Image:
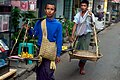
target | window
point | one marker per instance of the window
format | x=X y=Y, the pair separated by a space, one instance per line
x=4 y=23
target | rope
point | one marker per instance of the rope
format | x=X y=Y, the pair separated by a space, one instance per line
x=24 y=40
x=25 y=36
x=96 y=40
x=16 y=40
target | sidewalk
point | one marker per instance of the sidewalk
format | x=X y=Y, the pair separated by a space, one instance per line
x=107 y=27
x=23 y=70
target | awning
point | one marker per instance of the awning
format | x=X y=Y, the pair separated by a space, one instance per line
x=116 y=1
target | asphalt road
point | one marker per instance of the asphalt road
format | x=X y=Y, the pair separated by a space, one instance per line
x=106 y=68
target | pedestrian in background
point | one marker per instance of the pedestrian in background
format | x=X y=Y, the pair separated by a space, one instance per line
x=100 y=13
x=83 y=30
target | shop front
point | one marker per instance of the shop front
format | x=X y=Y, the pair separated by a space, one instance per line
x=115 y=5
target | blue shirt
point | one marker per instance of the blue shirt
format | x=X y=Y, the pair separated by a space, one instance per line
x=54 y=33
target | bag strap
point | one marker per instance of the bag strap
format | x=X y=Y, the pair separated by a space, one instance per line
x=44 y=28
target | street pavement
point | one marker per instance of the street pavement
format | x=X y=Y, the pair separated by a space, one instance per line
x=106 y=68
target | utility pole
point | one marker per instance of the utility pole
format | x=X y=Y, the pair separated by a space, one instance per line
x=105 y=10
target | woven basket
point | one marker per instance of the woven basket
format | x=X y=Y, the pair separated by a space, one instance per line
x=86 y=54
x=48 y=50
x=83 y=54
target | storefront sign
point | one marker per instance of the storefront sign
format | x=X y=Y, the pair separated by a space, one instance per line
x=24 y=5
x=15 y=3
x=32 y=5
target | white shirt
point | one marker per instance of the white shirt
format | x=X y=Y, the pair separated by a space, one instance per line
x=78 y=19
x=99 y=10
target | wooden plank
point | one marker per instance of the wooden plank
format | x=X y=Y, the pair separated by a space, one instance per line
x=12 y=71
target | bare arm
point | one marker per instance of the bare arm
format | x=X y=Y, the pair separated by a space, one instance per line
x=74 y=28
x=73 y=31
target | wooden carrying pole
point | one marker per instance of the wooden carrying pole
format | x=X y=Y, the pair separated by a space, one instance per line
x=11 y=72
x=95 y=38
